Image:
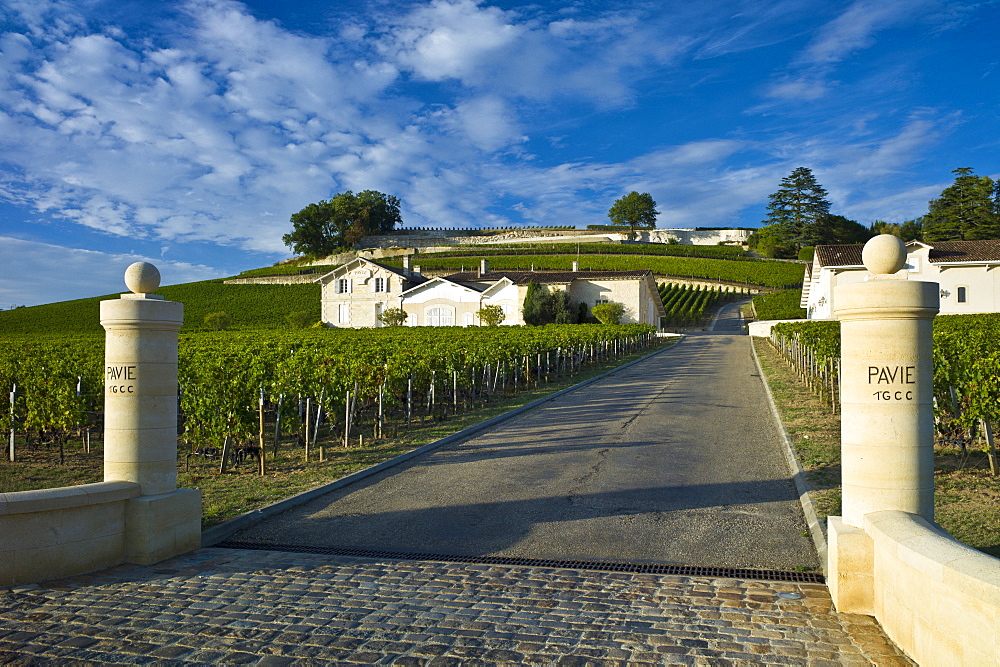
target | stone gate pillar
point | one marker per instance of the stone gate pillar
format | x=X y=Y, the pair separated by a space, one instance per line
x=140 y=418
x=887 y=419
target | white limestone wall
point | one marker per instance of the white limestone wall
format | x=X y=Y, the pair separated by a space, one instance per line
x=511 y=300
x=463 y=303
x=62 y=532
x=936 y=598
x=625 y=292
x=431 y=239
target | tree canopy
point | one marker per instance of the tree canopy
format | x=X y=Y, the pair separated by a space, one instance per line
x=795 y=208
x=908 y=231
x=634 y=211
x=322 y=228
x=968 y=209
x=544 y=307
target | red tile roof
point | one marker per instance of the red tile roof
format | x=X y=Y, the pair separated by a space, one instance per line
x=941 y=251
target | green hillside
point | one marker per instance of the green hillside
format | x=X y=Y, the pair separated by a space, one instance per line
x=249 y=306
x=268 y=306
x=766 y=273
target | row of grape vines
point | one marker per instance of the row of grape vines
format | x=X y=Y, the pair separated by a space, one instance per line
x=966 y=366
x=768 y=273
x=687 y=305
x=305 y=380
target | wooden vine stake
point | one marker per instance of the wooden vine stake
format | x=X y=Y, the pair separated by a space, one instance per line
x=260 y=433
x=13 y=396
x=277 y=423
x=991 y=450
x=306 y=429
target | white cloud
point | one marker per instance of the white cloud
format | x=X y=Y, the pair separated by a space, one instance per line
x=488 y=123
x=855 y=29
x=36 y=273
x=804 y=89
x=488 y=48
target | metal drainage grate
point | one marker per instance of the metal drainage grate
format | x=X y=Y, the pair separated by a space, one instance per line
x=643 y=568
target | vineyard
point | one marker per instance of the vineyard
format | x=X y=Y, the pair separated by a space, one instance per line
x=756 y=272
x=779 y=305
x=966 y=369
x=347 y=383
x=250 y=307
x=686 y=305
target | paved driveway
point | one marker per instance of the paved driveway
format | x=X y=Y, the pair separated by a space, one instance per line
x=673 y=460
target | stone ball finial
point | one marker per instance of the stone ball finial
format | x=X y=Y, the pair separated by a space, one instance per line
x=142 y=278
x=884 y=255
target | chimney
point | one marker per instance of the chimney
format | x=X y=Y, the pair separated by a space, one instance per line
x=484 y=267
x=416 y=270
x=576 y=265
x=406 y=265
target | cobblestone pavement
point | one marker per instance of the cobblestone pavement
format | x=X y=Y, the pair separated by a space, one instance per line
x=272 y=608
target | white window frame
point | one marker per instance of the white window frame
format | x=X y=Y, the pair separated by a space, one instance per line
x=379 y=285
x=411 y=320
x=439 y=316
x=467 y=320
x=343 y=286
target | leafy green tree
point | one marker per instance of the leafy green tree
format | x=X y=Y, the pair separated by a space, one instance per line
x=832 y=229
x=320 y=229
x=563 y=311
x=491 y=315
x=535 y=308
x=966 y=210
x=908 y=231
x=609 y=312
x=796 y=206
x=772 y=241
x=393 y=317
x=634 y=211
x=218 y=321
x=299 y=319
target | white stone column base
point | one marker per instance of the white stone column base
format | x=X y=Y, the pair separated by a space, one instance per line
x=850 y=568
x=163 y=526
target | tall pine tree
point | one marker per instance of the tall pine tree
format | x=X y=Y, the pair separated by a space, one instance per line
x=796 y=207
x=966 y=210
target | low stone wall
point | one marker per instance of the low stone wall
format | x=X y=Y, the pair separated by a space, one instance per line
x=55 y=533
x=936 y=598
x=762 y=328
x=431 y=238
x=274 y=280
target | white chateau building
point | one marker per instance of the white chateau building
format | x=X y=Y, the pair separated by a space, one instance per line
x=966 y=270
x=355 y=294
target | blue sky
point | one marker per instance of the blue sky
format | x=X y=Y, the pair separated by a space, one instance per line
x=187 y=133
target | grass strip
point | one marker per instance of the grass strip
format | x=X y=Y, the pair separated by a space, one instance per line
x=966 y=496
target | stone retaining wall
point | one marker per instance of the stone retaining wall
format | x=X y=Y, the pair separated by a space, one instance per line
x=55 y=533
x=274 y=280
x=936 y=598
